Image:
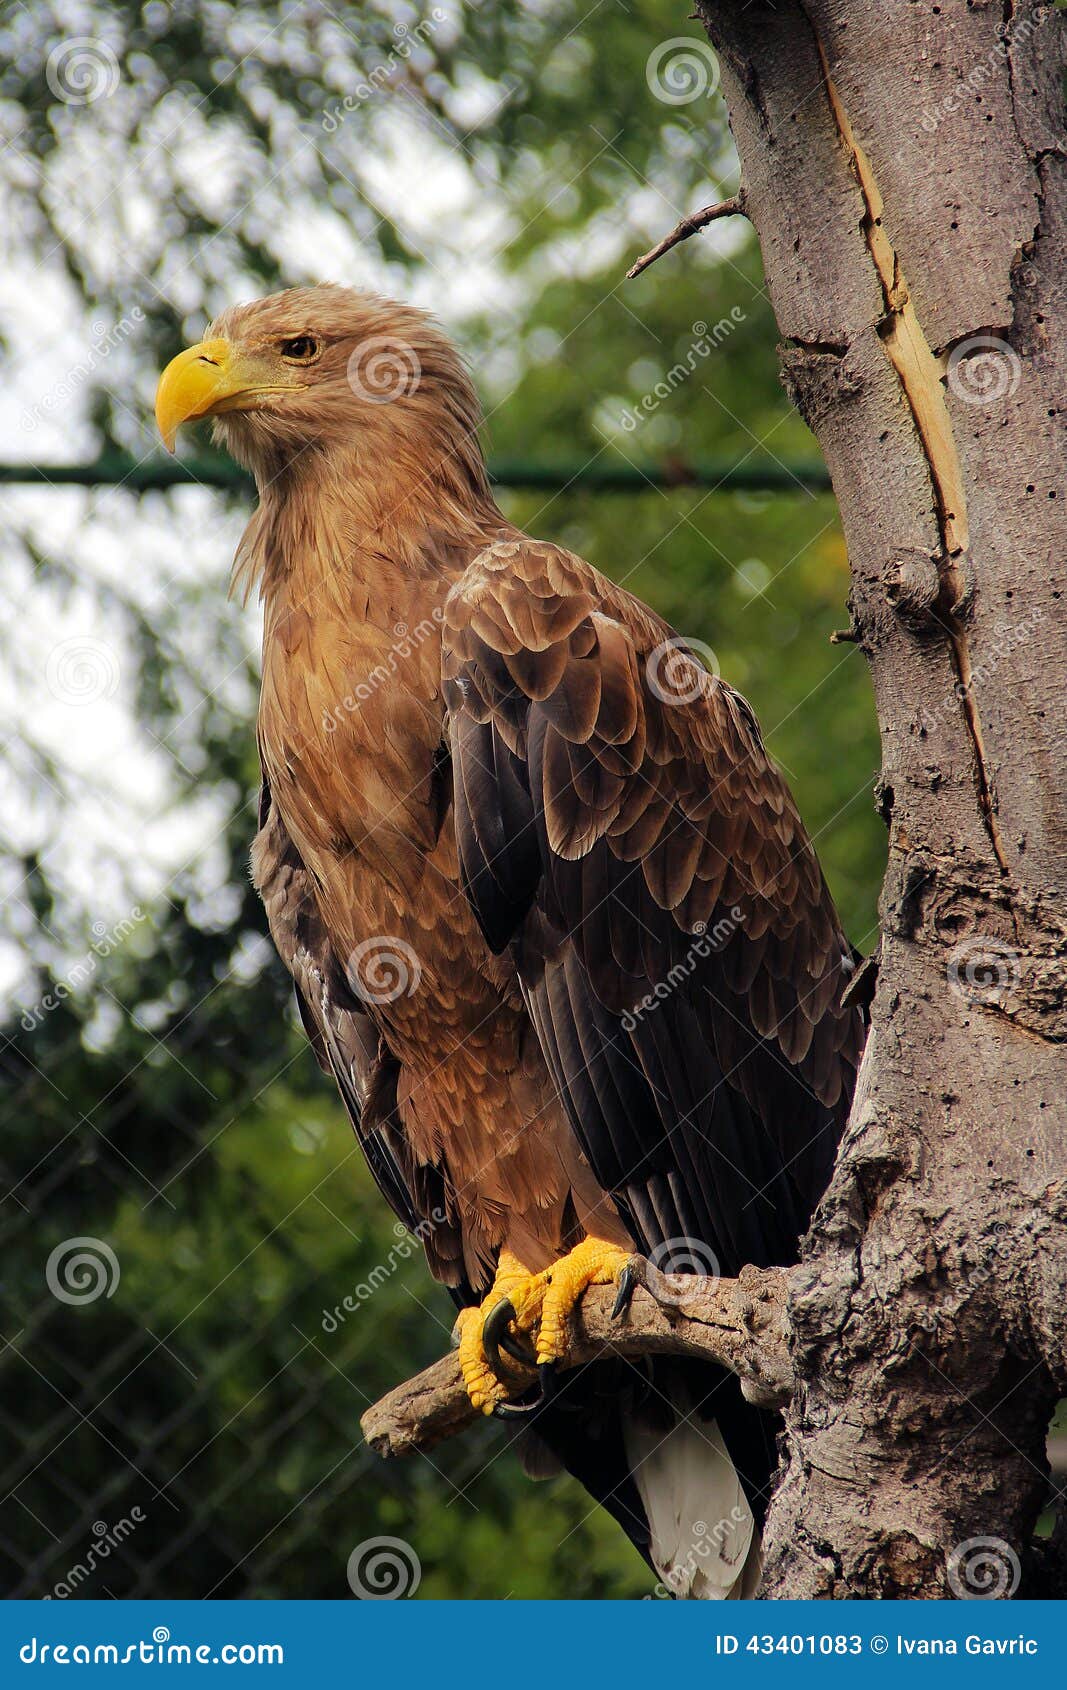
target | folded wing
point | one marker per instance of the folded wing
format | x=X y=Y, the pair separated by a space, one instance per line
x=621 y=828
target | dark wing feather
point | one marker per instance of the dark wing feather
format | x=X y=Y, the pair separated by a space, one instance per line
x=349 y=1047
x=620 y=826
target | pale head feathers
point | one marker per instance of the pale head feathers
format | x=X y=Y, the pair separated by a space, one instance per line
x=381 y=441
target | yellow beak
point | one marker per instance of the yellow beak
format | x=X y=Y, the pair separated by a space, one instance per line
x=216 y=376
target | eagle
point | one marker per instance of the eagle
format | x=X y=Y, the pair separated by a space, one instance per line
x=555 y=926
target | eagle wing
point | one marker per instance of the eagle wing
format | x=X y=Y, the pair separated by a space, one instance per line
x=349 y=1047
x=622 y=830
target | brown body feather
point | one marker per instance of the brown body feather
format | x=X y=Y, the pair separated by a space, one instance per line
x=352 y=723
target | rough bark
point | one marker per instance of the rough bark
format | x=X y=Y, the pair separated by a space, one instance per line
x=739 y=1323
x=915 y=254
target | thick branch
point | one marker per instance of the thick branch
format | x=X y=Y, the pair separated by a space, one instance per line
x=733 y=207
x=739 y=1323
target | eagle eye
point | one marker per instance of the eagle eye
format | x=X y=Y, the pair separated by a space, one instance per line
x=300 y=349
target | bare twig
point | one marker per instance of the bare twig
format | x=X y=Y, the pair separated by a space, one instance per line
x=739 y=1323
x=733 y=207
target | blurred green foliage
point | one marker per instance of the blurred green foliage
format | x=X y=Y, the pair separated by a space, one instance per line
x=172 y=1109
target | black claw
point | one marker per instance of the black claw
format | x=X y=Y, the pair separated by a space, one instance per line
x=554 y=1389
x=496 y=1337
x=627 y=1283
x=518 y=1410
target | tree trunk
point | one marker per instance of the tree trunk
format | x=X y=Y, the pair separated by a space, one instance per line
x=905 y=167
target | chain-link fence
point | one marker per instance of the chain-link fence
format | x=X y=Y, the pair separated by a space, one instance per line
x=181 y=1379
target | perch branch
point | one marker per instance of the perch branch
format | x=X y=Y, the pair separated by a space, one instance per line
x=733 y=207
x=739 y=1323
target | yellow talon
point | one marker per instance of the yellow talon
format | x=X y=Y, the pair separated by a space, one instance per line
x=523 y=1290
x=542 y=1300
x=483 y=1387
x=592 y=1262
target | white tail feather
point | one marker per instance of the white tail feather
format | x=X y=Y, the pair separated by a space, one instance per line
x=705 y=1545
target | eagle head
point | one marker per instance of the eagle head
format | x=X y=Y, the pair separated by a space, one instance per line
x=318 y=371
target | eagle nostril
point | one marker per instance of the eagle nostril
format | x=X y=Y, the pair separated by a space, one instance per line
x=203 y=359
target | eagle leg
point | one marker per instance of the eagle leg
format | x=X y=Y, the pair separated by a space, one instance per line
x=558 y=1290
x=515 y=1298
x=518 y=1303
x=592 y=1262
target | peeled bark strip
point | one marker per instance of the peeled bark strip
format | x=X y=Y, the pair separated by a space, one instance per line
x=737 y=1322
x=906 y=170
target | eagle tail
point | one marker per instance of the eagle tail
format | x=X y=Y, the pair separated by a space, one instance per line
x=704 y=1541
x=679 y=1459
